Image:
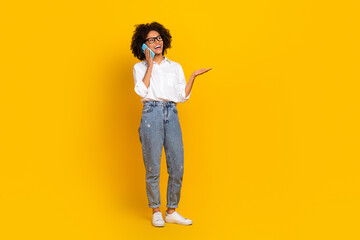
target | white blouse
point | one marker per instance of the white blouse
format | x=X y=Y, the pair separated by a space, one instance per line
x=167 y=82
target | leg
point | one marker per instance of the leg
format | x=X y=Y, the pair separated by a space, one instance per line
x=157 y=209
x=174 y=151
x=151 y=133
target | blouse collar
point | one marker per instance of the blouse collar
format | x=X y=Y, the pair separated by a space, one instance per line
x=165 y=59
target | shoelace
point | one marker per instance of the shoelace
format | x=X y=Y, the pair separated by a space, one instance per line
x=158 y=217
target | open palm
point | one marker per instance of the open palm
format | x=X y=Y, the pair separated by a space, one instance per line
x=201 y=71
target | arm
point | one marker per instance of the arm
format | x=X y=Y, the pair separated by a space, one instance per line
x=189 y=86
x=146 y=79
x=184 y=90
x=192 y=79
x=142 y=83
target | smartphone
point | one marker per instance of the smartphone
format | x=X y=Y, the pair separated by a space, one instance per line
x=144 y=46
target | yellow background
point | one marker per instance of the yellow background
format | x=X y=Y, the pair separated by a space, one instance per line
x=271 y=133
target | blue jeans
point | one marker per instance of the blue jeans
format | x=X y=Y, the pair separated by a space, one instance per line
x=160 y=127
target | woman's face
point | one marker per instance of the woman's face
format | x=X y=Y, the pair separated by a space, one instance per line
x=155 y=45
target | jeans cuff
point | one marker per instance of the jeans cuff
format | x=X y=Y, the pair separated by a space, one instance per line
x=172 y=206
x=154 y=206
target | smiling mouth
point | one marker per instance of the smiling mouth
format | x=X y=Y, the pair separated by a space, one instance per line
x=157 y=47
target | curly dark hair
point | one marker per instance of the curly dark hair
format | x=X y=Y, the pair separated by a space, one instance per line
x=140 y=34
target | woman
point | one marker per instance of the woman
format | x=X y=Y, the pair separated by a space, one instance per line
x=161 y=84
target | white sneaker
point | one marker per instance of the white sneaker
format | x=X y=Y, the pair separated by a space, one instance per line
x=175 y=217
x=157 y=219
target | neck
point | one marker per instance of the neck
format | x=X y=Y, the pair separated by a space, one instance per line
x=158 y=58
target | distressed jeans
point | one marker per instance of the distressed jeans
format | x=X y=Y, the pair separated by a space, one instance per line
x=160 y=127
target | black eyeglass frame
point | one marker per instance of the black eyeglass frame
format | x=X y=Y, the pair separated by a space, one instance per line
x=157 y=37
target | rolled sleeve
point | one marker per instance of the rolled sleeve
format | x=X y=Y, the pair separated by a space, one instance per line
x=182 y=85
x=140 y=87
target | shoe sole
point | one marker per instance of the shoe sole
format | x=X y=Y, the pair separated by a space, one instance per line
x=174 y=221
x=159 y=226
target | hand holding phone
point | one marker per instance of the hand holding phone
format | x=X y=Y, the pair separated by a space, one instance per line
x=144 y=46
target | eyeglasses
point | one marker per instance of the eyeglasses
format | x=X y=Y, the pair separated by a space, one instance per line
x=152 y=39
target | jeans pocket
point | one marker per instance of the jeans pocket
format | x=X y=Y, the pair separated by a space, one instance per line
x=174 y=109
x=147 y=108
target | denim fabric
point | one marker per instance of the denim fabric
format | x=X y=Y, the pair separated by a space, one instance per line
x=160 y=127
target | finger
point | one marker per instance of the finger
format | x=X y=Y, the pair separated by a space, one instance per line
x=204 y=71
